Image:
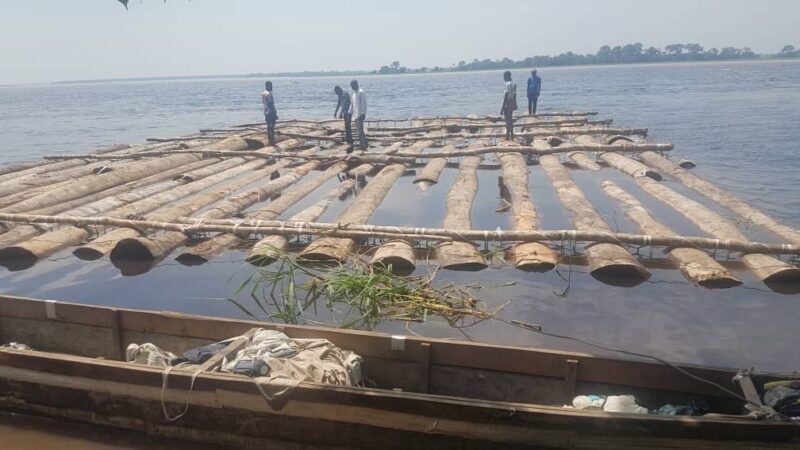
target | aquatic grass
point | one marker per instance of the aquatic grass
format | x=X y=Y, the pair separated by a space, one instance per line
x=362 y=293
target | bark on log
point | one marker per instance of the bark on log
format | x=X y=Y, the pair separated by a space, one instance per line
x=530 y=256
x=99 y=202
x=583 y=161
x=364 y=169
x=267 y=250
x=694 y=264
x=40 y=166
x=158 y=205
x=359 y=211
x=724 y=198
x=461 y=255
x=625 y=165
x=118 y=177
x=433 y=170
x=43 y=166
x=772 y=271
x=201 y=253
x=609 y=263
x=29 y=248
x=157 y=247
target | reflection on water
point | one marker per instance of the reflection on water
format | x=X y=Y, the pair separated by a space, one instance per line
x=742 y=135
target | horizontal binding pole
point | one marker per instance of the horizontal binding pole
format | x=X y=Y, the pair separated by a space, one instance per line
x=397 y=158
x=192 y=225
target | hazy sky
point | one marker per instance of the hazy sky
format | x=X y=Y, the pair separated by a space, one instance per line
x=47 y=40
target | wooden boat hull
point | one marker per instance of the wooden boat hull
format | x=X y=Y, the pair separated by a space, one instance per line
x=428 y=408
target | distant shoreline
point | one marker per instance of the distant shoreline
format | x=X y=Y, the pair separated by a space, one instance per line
x=320 y=74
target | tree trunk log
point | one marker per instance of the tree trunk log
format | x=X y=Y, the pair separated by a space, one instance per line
x=696 y=265
x=770 y=270
x=29 y=248
x=359 y=211
x=609 y=263
x=722 y=197
x=461 y=255
x=583 y=161
x=203 y=252
x=429 y=175
x=161 y=204
x=117 y=177
x=625 y=165
x=267 y=250
x=529 y=256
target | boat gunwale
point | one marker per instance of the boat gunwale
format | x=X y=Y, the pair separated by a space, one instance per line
x=375 y=345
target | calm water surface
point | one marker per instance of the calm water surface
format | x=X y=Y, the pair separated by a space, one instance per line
x=738 y=121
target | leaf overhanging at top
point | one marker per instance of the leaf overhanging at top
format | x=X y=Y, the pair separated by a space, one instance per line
x=124 y=3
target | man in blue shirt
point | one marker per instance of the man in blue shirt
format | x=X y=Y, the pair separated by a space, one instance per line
x=534 y=87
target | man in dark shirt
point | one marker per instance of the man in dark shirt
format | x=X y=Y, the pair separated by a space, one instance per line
x=270 y=113
x=534 y=87
x=343 y=111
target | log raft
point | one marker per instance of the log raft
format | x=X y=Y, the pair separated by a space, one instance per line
x=154 y=198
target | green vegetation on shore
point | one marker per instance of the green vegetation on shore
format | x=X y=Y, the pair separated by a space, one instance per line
x=620 y=54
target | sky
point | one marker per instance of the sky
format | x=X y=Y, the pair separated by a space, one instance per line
x=52 y=40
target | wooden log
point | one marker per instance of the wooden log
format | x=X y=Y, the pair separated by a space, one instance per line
x=157 y=247
x=724 y=198
x=201 y=253
x=429 y=175
x=770 y=270
x=102 y=201
x=363 y=169
x=20 y=188
x=43 y=166
x=609 y=263
x=15 y=170
x=189 y=224
x=21 y=248
x=625 y=165
x=104 y=245
x=118 y=177
x=268 y=249
x=359 y=211
x=694 y=264
x=461 y=255
x=583 y=161
x=530 y=256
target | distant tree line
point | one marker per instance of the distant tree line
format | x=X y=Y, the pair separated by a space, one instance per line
x=620 y=54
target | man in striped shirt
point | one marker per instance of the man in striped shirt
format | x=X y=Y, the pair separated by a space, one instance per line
x=358 y=109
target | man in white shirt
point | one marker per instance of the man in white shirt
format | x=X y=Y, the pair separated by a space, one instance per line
x=358 y=109
x=509 y=104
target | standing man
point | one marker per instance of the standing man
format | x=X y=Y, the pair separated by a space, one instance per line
x=509 y=104
x=534 y=87
x=270 y=113
x=358 y=109
x=343 y=111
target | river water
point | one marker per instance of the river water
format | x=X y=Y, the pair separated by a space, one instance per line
x=738 y=121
